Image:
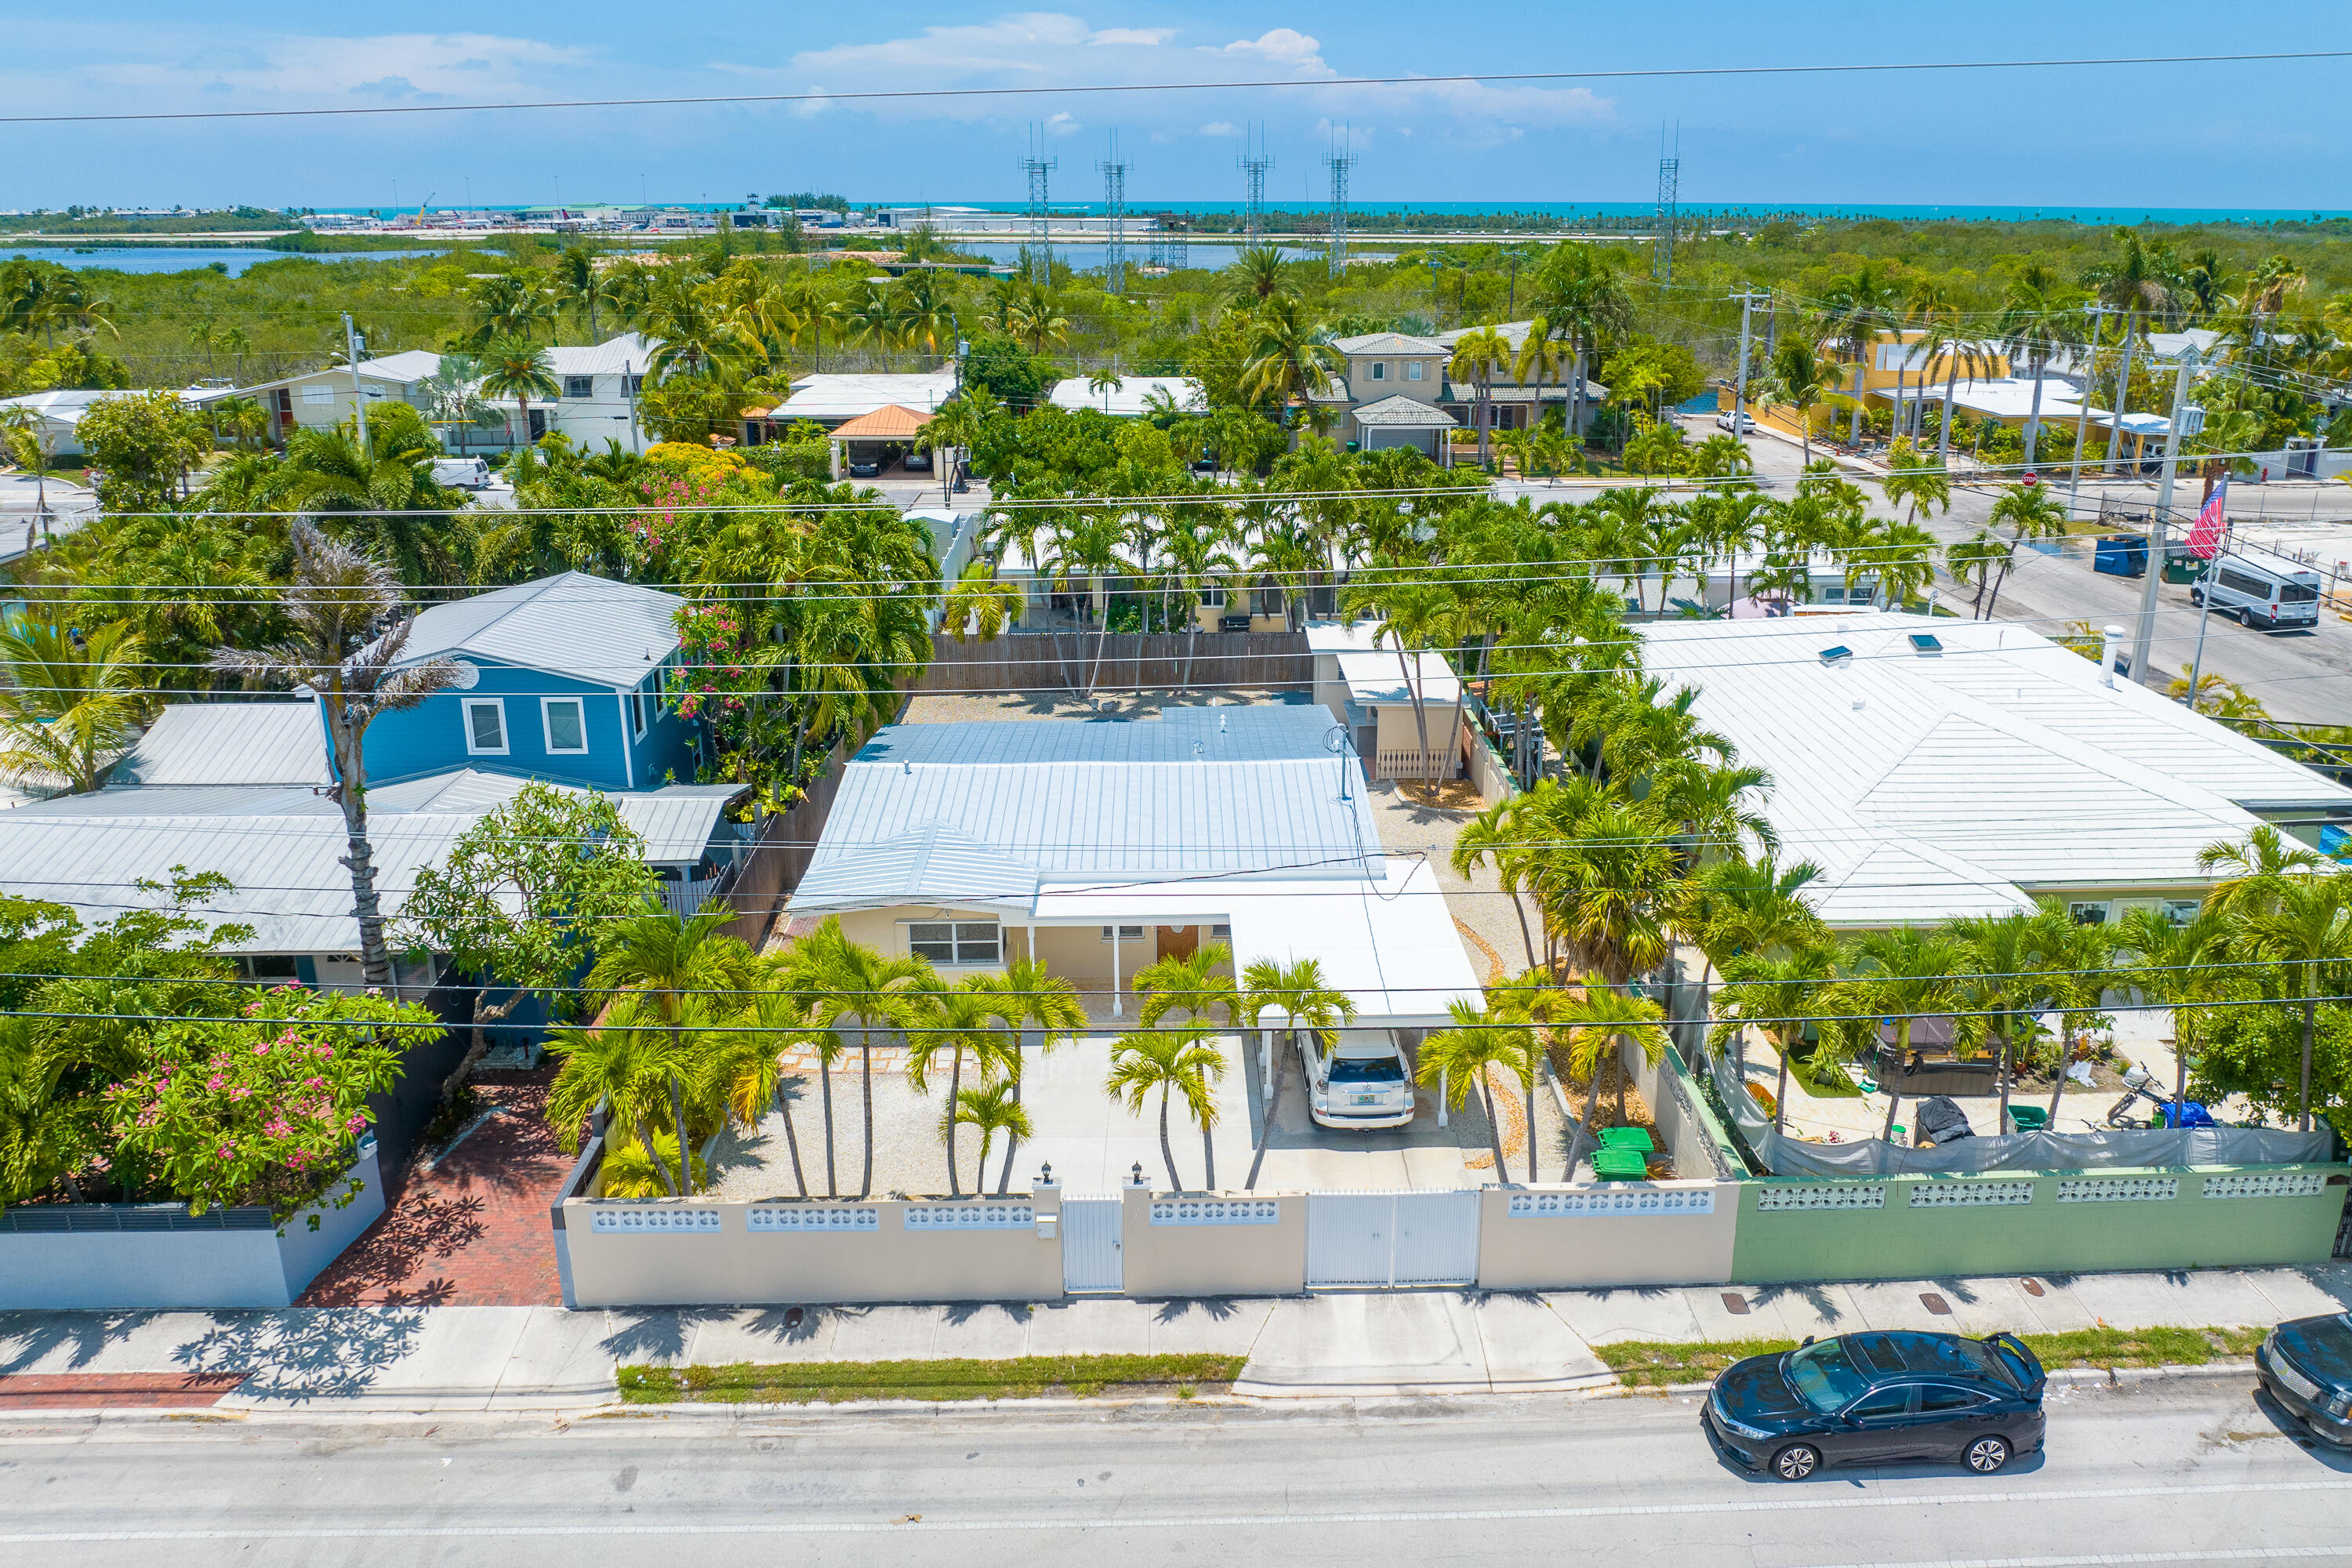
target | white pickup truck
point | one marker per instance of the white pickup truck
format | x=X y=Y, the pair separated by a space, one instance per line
x=1366 y=1081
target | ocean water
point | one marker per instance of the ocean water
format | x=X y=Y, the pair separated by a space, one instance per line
x=180 y=258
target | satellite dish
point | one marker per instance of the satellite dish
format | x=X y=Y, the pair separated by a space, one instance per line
x=1335 y=740
x=469 y=675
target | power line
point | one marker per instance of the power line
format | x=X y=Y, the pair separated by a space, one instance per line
x=1074 y=89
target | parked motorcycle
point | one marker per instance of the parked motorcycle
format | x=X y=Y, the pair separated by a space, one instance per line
x=2163 y=1109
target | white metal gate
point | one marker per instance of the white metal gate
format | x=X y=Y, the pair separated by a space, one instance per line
x=1382 y=1239
x=1091 y=1256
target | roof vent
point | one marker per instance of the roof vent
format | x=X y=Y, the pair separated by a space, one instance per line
x=1838 y=655
x=1927 y=643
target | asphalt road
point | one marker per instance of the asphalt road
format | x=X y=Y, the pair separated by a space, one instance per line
x=2187 y=1470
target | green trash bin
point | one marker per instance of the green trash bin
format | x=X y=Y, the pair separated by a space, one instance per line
x=1620 y=1166
x=2030 y=1118
x=1637 y=1139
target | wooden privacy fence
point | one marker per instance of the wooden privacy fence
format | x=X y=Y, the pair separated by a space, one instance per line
x=779 y=857
x=1078 y=660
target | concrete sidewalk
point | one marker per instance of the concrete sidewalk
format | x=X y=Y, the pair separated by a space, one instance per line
x=1360 y=1344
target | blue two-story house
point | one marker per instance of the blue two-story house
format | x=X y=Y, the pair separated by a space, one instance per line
x=557 y=680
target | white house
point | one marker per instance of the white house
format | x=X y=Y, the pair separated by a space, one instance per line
x=1941 y=767
x=1101 y=846
x=58 y=416
x=1134 y=397
x=1370 y=687
x=596 y=394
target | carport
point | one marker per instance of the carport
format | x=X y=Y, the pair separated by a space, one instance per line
x=869 y=437
x=1402 y=421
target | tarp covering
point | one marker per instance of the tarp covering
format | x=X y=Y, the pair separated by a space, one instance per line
x=2122 y=1149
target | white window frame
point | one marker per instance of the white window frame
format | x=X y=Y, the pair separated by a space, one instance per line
x=587 y=384
x=957 y=942
x=1126 y=932
x=547 y=726
x=317 y=392
x=505 y=736
x=1380 y=370
x=1412 y=371
x=636 y=712
x=2077 y=908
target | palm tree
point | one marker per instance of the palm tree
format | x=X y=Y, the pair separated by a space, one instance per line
x=1463 y=1054
x=1592 y=1025
x=1179 y=1061
x=627 y=1064
x=1860 y=306
x=1776 y=993
x=516 y=368
x=668 y=964
x=695 y=332
x=1485 y=838
x=2039 y=323
x=1906 y=974
x=993 y=1108
x=1916 y=483
x=70 y=701
x=954 y=428
x=1257 y=274
x=981 y=604
x=1582 y=297
x=1802 y=379
x=969 y=1015
x=1299 y=993
x=1478 y=354
x=339 y=597
x=2305 y=931
x=1033 y=995
x=2140 y=281
x=749 y=1064
x=2031 y=513
x=2255 y=870
x=1539 y=355
x=2182 y=964
x=1287 y=362
x=1187 y=984
x=851 y=981
x=1999 y=988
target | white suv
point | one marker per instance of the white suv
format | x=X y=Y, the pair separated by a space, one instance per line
x=1736 y=423
x=1366 y=1082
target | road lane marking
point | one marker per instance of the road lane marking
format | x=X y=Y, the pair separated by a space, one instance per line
x=1809 y=1504
x=2103 y=1559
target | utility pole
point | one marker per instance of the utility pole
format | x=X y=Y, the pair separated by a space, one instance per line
x=359 y=393
x=1340 y=163
x=2144 y=639
x=1114 y=173
x=1747 y=298
x=1254 y=161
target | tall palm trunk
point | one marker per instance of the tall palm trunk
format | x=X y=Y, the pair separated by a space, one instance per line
x=1532 y=1167
x=792 y=1138
x=2003 y=1123
x=678 y=1117
x=2058 y=1085
x=375 y=958
x=2310 y=1012
x=1902 y=1054
x=825 y=1081
x=2034 y=419
x=1208 y=1161
x=1494 y=1125
x=1413 y=689
x=1265 y=1125
x=645 y=1142
x=1781 y=1089
x=1591 y=1110
x=1167 y=1150
x=865 y=1097
x=955 y=1083
x=1011 y=1138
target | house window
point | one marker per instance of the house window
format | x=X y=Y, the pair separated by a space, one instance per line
x=2180 y=912
x=1221 y=932
x=579 y=386
x=632 y=384
x=1126 y=934
x=268 y=968
x=2093 y=912
x=485 y=727
x=638 y=701
x=955 y=941
x=567 y=727
x=1413 y=369
x=1380 y=370
x=317 y=392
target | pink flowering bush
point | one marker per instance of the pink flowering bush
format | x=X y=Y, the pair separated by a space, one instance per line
x=268 y=1110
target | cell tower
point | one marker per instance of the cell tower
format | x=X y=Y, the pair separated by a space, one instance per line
x=1254 y=161
x=1340 y=161
x=1041 y=236
x=1670 y=167
x=1114 y=173
x=1179 y=250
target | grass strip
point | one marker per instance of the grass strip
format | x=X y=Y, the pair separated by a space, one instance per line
x=832 y=1382
x=1656 y=1363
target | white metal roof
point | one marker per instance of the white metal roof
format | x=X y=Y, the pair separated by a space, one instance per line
x=836 y=396
x=1131 y=398
x=570 y=624
x=614 y=356
x=1389 y=943
x=1374 y=673
x=282 y=848
x=1964 y=781
x=230 y=743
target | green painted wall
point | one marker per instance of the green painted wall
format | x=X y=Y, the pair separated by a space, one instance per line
x=1906 y=1241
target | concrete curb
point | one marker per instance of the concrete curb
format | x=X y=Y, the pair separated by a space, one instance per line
x=2071 y=1376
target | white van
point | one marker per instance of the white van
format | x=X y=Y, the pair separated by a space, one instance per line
x=2260 y=589
x=1366 y=1081
x=461 y=473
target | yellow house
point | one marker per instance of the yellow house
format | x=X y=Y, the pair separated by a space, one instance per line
x=1897 y=364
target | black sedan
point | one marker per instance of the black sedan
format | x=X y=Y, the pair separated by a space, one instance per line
x=864 y=468
x=2306 y=1366
x=1879 y=1398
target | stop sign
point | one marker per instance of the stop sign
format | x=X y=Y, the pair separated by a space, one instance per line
x=2031 y=480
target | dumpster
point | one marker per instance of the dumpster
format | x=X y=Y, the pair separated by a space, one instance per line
x=2182 y=564
x=2121 y=556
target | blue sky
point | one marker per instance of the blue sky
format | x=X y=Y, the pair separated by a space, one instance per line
x=2246 y=135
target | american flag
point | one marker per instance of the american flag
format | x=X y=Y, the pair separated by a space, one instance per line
x=2213 y=521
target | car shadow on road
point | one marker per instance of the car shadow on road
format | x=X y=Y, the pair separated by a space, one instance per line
x=2327 y=1454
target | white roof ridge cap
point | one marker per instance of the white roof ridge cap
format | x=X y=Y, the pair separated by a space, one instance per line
x=2120 y=768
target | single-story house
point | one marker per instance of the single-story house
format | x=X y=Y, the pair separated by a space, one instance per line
x=2009 y=400
x=831 y=398
x=1942 y=768
x=58 y=416
x=1100 y=847
x=596 y=401
x=1369 y=687
x=1134 y=397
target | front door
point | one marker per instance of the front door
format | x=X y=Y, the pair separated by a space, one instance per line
x=1179 y=941
x=1092 y=1259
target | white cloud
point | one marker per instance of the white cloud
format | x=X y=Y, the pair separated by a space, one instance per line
x=1146 y=37
x=1062 y=124
x=1220 y=127
x=1286 y=46
x=160 y=63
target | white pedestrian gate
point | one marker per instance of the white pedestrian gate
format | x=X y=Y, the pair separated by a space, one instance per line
x=1382 y=1239
x=1091 y=1256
